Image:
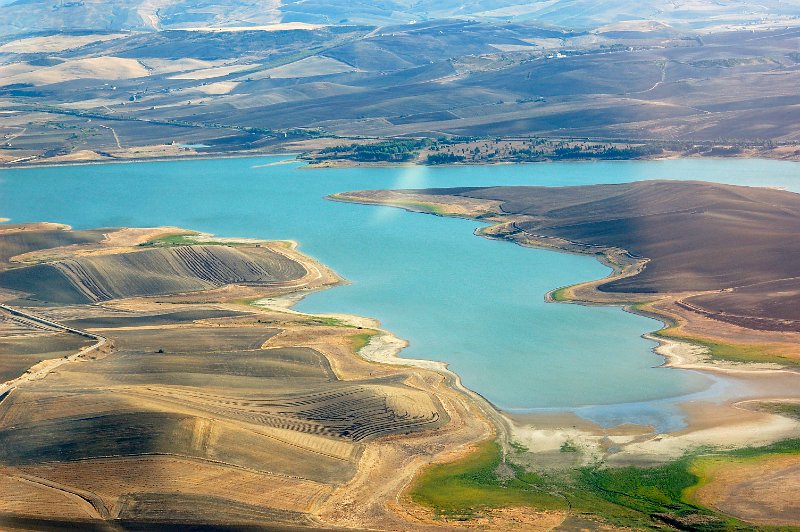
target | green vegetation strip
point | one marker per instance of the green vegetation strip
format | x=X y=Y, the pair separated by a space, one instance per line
x=359 y=341
x=719 y=350
x=731 y=352
x=560 y=294
x=420 y=206
x=791 y=410
x=464 y=488
x=329 y=321
x=191 y=239
x=625 y=496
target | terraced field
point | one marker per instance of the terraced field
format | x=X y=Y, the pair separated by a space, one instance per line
x=211 y=396
x=149 y=272
x=206 y=412
x=19 y=239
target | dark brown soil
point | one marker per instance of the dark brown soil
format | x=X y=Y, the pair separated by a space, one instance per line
x=697 y=236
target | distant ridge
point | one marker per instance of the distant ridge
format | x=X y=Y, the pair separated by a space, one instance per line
x=26 y=16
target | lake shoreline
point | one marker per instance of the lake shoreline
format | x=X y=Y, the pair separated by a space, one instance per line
x=545 y=434
x=154 y=159
x=466 y=419
x=632 y=444
x=510 y=416
x=313 y=163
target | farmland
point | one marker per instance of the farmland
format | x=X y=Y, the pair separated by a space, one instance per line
x=205 y=411
x=515 y=91
x=162 y=378
x=178 y=269
x=662 y=236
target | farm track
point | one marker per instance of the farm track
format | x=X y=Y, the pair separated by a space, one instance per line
x=91 y=498
x=41 y=370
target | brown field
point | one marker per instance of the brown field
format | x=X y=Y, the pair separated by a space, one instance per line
x=200 y=409
x=18 y=353
x=239 y=92
x=679 y=237
x=747 y=489
x=111 y=68
x=19 y=239
x=156 y=271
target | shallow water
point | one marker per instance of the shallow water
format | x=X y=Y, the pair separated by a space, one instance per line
x=474 y=303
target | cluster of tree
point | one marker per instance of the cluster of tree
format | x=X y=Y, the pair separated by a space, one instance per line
x=473 y=149
x=726 y=63
x=607 y=152
x=399 y=150
x=444 y=158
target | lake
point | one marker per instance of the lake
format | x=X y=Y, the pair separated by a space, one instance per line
x=471 y=302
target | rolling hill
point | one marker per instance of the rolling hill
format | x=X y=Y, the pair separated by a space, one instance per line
x=22 y=16
x=730 y=252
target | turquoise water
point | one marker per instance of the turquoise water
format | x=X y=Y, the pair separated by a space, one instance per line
x=473 y=303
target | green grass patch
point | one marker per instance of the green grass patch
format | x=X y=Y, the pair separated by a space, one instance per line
x=644 y=490
x=568 y=447
x=329 y=321
x=359 y=341
x=560 y=294
x=187 y=240
x=791 y=446
x=641 y=307
x=462 y=489
x=636 y=497
x=171 y=240
x=247 y=302
x=518 y=447
x=732 y=352
x=791 y=410
x=420 y=206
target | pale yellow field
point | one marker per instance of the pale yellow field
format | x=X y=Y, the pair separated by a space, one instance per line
x=54 y=43
x=106 y=68
x=310 y=66
x=214 y=72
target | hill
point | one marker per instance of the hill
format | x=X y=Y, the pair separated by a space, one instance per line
x=731 y=252
x=105 y=96
x=22 y=16
x=194 y=409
